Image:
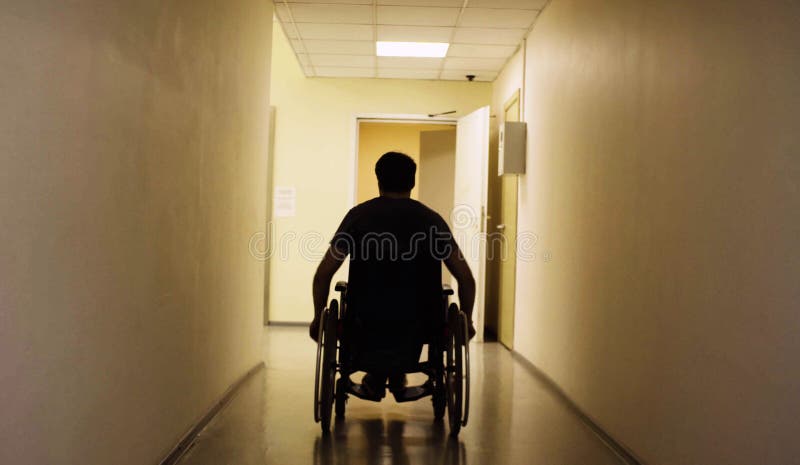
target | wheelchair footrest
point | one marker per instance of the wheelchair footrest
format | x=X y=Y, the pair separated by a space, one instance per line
x=413 y=393
x=359 y=391
x=408 y=394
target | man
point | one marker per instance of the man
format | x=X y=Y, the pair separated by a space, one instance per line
x=396 y=247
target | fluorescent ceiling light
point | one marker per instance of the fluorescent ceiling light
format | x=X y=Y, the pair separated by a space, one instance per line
x=412 y=49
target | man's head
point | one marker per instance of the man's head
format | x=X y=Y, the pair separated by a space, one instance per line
x=395 y=173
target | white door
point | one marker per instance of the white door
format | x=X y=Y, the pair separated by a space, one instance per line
x=469 y=199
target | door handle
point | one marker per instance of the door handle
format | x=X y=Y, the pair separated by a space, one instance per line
x=501 y=227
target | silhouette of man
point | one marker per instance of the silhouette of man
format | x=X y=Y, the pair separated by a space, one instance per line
x=396 y=247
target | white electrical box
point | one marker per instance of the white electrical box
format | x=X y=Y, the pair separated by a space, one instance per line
x=511 y=152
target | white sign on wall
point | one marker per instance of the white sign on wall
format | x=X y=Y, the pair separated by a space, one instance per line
x=285 y=202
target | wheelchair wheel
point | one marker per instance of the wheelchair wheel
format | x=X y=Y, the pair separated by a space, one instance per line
x=341 y=397
x=326 y=366
x=439 y=396
x=457 y=369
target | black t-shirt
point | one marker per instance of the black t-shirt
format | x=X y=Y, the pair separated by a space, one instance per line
x=396 y=248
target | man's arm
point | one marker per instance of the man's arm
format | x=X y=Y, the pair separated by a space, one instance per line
x=322 y=283
x=458 y=267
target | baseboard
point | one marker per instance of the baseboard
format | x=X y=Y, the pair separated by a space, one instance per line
x=620 y=450
x=188 y=439
x=288 y=323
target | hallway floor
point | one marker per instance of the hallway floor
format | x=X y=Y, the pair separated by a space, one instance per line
x=514 y=420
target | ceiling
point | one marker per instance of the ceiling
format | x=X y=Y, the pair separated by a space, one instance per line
x=336 y=38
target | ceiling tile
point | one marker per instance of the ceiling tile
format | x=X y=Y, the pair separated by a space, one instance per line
x=335 y=31
x=343 y=47
x=492 y=64
x=472 y=35
x=417 y=16
x=490 y=17
x=518 y=4
x=350 y=61
x=460 y=75
x=481 y=51
x=415 y=33
x=335 y=38
x=331 y=71
x=323 y=13
x=408 y=73
x=406 y=63
x=450 y=3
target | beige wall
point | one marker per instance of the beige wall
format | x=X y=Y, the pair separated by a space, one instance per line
x=375 y=139
x=437 y=169
x=132 y=138
x=315 y=152
x=663 y=177
x=507 y=83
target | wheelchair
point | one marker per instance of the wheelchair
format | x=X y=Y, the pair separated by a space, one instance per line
x=447 y=366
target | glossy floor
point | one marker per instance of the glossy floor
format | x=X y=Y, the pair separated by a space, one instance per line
x=514 y=420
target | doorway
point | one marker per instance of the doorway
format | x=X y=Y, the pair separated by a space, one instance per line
x=503 y=228
x=433 y=148
x=452 y=182
x=431 y=145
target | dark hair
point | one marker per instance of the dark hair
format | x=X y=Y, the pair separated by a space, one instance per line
x=395 y=172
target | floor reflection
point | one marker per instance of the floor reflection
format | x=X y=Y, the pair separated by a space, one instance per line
x=388 y=442
x=514 y=420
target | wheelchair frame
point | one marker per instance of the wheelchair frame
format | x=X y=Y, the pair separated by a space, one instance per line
x=447 y=365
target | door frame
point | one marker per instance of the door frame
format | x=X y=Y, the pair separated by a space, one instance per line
x=514 y=99
x=410 y=119
x=270 y=198
x=383 y=118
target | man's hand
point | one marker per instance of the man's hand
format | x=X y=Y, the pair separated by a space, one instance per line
x=458 y=267
x=313 y=328
x=322 y=283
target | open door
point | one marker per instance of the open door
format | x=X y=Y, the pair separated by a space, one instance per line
x=470 y=192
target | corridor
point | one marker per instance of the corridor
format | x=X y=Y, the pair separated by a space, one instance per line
x=622 y=179
x=515 y=420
